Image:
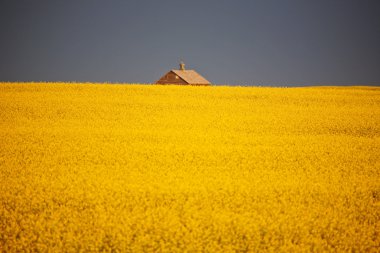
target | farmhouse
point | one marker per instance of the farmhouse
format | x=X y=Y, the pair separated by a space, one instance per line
x=183 y=77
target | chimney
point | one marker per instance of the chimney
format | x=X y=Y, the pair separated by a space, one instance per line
x=182 y=65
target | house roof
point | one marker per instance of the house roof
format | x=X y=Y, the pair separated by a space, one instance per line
x=191 y=76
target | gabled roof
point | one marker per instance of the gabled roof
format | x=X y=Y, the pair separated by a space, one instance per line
x=190 y=76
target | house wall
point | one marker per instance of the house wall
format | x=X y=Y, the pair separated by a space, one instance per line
x=171 y=78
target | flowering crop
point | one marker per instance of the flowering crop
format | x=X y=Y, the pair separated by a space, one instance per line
x=136 y=168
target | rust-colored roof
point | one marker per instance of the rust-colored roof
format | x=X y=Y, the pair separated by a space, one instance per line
x=191 y=76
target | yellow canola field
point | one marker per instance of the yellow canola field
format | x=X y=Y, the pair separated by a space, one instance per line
x=137 y=168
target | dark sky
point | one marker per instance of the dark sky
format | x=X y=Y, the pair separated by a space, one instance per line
x=264 y=42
